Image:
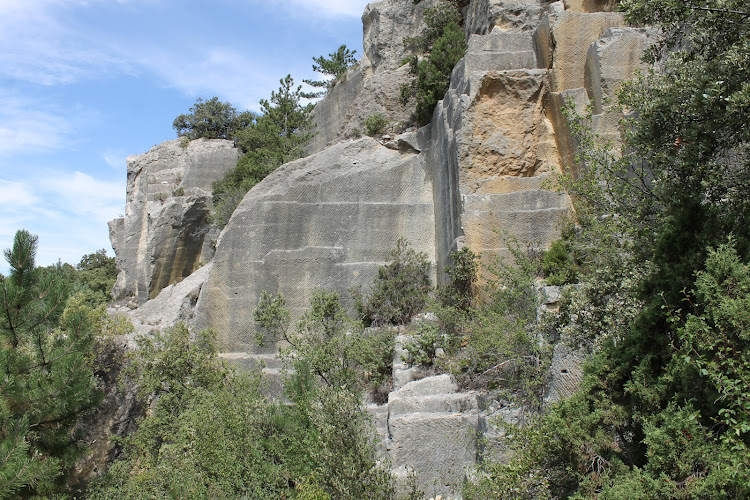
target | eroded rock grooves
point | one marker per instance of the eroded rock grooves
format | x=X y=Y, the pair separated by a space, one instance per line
x=485 y=164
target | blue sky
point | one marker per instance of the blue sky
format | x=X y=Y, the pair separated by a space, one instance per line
x=85 y=83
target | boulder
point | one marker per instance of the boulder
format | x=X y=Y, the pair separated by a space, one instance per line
x=165 y=234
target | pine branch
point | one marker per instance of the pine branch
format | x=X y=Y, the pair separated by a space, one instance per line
x=720 y=11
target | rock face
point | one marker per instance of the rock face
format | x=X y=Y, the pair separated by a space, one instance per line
x=495 y=145
x=484 y=166
x=373 y=86
x=165 y=234
x=325 y=221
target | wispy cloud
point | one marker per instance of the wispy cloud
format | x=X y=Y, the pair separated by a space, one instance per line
x=83 y=195
x=115 y=158
x=53 y=206
x=38 y=47
x=28 y=124
x=15 y=194
x=224 y=72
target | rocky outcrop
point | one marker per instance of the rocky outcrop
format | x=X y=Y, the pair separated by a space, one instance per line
x=325 y=221
x=165 y=234
x=517 y=15
x=373 y=86
x=175 y=303
x=495 y=147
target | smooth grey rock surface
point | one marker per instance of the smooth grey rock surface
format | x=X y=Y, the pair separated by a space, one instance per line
x=165 y=234
x=325 y=221
x=175 y=303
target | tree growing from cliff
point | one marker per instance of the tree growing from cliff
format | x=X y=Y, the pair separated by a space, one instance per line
x=335 y=66
x=212 y=119
x=444 y=43
x=48 y=381
x=276 y=137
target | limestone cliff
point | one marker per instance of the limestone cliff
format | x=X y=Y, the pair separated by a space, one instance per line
x=165 y=234
x=485 y=164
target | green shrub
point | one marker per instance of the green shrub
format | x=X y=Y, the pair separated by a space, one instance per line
x=434 y=73
x=375 y=124
x=400 y=289
x=212 y=433
x=444 y=43
x=423 y=344
x=558 y=265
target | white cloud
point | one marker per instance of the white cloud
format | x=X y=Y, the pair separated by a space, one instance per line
x=82 y=195
x=35 y=45
x=15 y=194
x=31 y=125
x=224 y=72
x=68 y=211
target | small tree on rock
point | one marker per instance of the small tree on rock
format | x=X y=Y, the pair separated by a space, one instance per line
x=336 y=66
x=212 y=119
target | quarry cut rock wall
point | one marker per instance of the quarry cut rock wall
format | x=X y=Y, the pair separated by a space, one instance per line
x=325 y=221
x=485 y=166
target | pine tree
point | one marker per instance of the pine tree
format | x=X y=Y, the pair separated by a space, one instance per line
x=278 y=136
x=47 y=379
x=336 y=66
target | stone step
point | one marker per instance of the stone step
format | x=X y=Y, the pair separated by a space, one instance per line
x=501 y=41
x=429 y=386
x=443 y=403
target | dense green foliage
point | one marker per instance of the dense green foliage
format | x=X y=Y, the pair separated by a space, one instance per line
x=212 y=433
x=212 y=119
x=399 y=291
x=46 y=351
x=335 y=66
x=664 y=243
x=276 y=137
x=96 y=274
x=488 y=332
x=443 y=42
